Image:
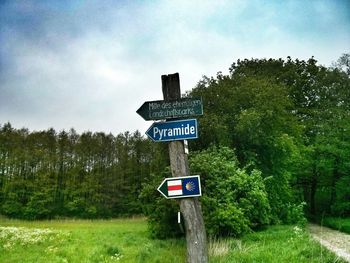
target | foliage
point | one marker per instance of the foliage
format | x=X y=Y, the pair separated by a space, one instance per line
x=39 y=206
x=45 y=175
x=289 y=119
x=255 y=111
x=337 y=223
x=341 y=206
x=233 y=202
x=296 y=215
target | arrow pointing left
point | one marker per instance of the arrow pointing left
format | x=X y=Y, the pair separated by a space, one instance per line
x=180 y=187
x=173 y=130
x=180 y=108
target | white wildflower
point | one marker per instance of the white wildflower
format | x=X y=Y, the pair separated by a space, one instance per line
x=7 y=245
x=297 y=230
x=116 y=256
x=26 y=236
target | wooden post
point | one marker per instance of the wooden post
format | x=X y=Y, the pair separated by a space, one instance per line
x=196 y=239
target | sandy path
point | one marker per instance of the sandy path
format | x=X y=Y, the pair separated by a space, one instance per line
x=335 y=241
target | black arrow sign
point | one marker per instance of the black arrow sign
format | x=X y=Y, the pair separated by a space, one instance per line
x=161 y=109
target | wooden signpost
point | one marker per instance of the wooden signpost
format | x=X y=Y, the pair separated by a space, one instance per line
x=196 y=239
x=190 y=208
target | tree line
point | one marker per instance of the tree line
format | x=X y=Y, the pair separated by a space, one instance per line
x=47 y=174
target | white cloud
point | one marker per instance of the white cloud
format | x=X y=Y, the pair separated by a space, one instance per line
x=92 y=72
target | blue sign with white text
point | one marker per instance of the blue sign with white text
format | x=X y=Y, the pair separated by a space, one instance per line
x=173 y=130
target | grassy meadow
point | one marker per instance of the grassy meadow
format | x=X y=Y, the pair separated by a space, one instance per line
x=86 y=241
x=126 y=240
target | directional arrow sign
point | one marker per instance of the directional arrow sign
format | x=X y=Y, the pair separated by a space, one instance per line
x=161 y=109
x=181 y=187
x=173 y=130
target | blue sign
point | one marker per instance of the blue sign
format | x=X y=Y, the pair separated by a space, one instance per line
x=181 y=187
x=173 y=130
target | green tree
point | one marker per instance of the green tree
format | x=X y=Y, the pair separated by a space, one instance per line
x=255 y=116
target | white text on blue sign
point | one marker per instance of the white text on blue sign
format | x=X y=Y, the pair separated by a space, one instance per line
x=173 y=130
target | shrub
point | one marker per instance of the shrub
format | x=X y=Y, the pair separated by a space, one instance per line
x=12 y=207
x=337 y=223
x=341 y=206
x=40 y=206
x=295 y=214
x=233 y=202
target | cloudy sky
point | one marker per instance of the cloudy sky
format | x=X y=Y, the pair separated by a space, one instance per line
x=90 y=64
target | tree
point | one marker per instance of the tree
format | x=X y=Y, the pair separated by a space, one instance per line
x=343 y=63
x=255 y=118
x=278 y=114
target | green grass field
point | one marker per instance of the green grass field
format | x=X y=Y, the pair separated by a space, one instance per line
x=126 y=240
x=341 y=224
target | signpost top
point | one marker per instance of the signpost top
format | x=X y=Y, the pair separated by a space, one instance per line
x=168 y=109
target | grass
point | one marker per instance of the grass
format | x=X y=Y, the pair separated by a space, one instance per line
x=341 y=224
x=89 y=241
x=277 y=244
x=126 y=240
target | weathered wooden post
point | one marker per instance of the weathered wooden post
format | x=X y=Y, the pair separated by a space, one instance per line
x=182 y=185
x=197 y=251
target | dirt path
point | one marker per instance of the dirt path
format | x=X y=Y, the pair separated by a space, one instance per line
x=335 y=241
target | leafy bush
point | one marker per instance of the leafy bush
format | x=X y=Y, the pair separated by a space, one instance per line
x=40 y=206
x=341 y=224
x=233 y=201
x=12 y=207
x=79 y=207
x=295 y=214
x=341 y=207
